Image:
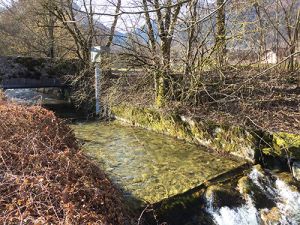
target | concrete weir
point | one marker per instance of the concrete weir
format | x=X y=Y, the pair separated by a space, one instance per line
x=150 y=167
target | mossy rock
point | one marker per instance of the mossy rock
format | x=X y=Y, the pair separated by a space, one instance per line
x=235 y=140
x=270 y=217
x=244 y=185
x=247 y=188
x=283 y=145
x=287 y=178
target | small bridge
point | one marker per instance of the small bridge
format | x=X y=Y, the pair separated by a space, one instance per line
x=28 y=72
x=22 y=83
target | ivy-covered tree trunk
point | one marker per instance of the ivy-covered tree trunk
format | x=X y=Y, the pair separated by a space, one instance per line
x=163 y=74
x=160 y=90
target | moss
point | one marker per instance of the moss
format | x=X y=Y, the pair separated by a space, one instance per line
x=152 y=119
x=223 y=138
x=283 y=145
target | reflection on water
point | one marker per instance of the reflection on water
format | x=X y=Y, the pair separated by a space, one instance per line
x=32 y=97
x=147 y=165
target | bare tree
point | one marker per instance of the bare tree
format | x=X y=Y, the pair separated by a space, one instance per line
x=221 y=32
x=288 y=31
x=262 y=41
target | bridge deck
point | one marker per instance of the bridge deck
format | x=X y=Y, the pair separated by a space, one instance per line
x=20 y=83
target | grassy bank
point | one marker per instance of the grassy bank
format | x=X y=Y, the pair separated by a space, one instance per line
x=45 y=178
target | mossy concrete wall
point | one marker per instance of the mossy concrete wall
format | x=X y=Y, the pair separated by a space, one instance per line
x=223 y=138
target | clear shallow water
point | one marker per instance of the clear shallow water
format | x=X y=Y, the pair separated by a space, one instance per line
x=147 y=165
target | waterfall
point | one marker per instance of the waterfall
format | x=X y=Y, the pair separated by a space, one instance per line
x=287 y=202
x=246 y=214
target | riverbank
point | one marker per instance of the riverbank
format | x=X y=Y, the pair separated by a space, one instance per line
x=182 y=180
x=185 y=183
x=256 y=145
x=45 y=178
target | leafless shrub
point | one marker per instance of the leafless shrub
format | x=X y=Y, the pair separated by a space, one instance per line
x=45 y=178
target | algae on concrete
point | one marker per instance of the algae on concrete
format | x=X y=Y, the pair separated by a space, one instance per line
x=223 y=138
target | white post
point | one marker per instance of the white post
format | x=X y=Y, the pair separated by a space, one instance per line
x=97 y=87
x=96 y=58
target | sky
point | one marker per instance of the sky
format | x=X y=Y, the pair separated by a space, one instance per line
x=126 y=22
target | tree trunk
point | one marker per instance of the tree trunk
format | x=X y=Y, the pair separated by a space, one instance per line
x=51 y=24
x=160 y=89
x=163 y=75
x=221 y=33
x=191 y=37
x=294 y=42
x=262 y=43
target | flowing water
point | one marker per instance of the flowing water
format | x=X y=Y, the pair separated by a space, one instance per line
x=285 y=210
x=150 y=167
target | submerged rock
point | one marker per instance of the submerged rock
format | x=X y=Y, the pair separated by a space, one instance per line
x=219 y=196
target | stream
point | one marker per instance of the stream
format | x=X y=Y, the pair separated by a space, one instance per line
x=149 y=168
